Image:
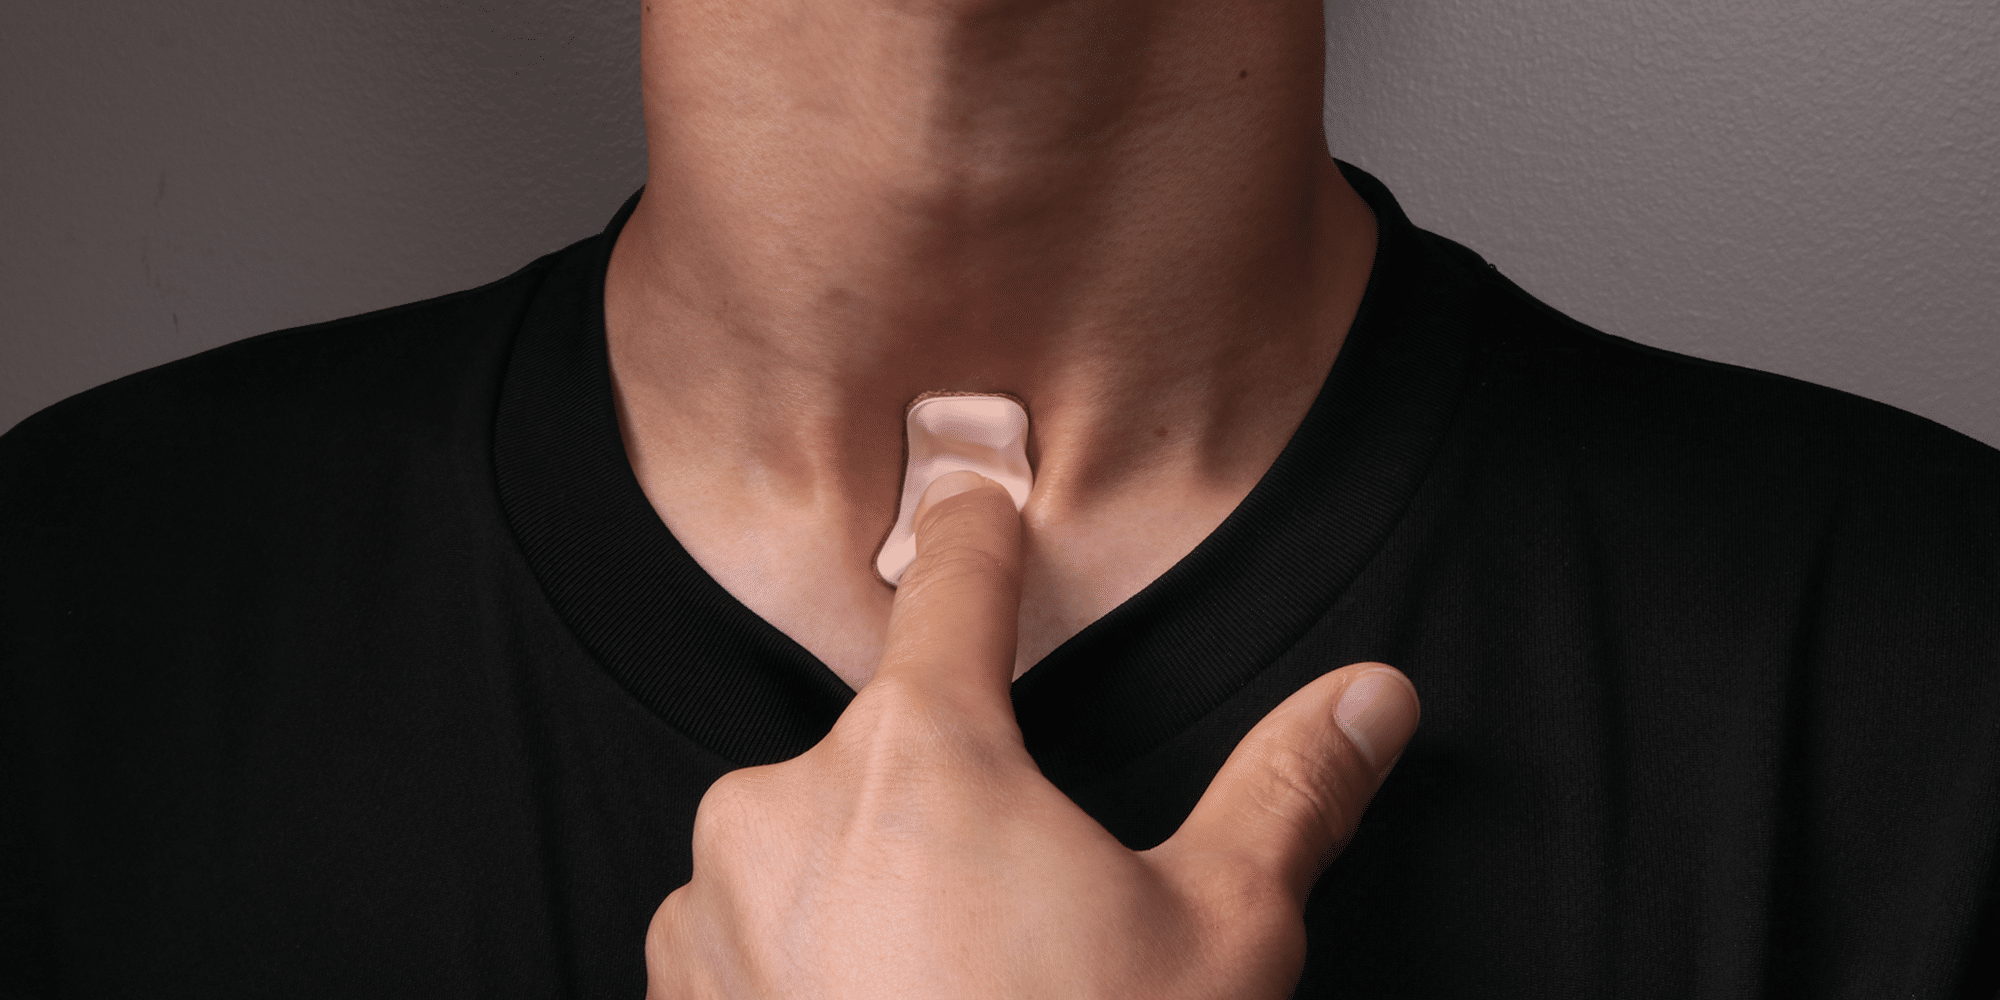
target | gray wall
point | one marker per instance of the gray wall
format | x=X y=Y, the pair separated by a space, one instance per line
x=177 y=175
x=1804 y=188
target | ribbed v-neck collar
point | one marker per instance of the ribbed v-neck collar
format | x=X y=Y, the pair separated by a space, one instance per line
x=733 y=683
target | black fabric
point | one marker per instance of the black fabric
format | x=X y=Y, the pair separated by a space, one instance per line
x=351 y=661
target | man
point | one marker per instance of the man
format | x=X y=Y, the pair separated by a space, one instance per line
x=403 y=654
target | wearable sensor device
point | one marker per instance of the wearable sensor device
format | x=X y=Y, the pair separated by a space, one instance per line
x=945 y=432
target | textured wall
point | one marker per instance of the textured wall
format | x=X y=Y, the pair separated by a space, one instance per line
x=1805 y=188
x=177 y=175
x=1808 y=187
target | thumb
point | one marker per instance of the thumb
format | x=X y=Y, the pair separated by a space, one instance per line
x=955 y=623
x=1293 y=791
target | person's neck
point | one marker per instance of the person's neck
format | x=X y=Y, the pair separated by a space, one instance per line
x=1122 y=212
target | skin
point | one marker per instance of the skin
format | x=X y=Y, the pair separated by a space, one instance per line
x=1121 y=211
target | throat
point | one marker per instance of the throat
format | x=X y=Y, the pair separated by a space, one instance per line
x=830 y=601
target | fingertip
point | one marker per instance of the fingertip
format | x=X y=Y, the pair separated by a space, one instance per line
x=950 y=485
x=1377 y=666
x=955 y=620
x=1378 y=711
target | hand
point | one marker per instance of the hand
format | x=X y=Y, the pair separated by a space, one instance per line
x=918 y=852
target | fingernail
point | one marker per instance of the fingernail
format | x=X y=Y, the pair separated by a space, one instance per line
x=1378 y=714
x=949 y=485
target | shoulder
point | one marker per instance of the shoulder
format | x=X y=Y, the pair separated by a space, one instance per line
x=1619 y=407
x=310 y=401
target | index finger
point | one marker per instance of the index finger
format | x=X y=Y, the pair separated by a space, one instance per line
x=955 y=622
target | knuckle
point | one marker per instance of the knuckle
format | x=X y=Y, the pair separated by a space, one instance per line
x=895 y=704
x=886 y=728
x=726 y=812
x=671 y=937
x=902 y=740
x=1308 y=783
x=665 y=928
x=888 y=704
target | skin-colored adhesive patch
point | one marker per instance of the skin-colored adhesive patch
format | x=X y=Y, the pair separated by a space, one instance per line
x=945 y=433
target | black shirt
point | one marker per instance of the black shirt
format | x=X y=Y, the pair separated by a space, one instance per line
x=351 y=660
